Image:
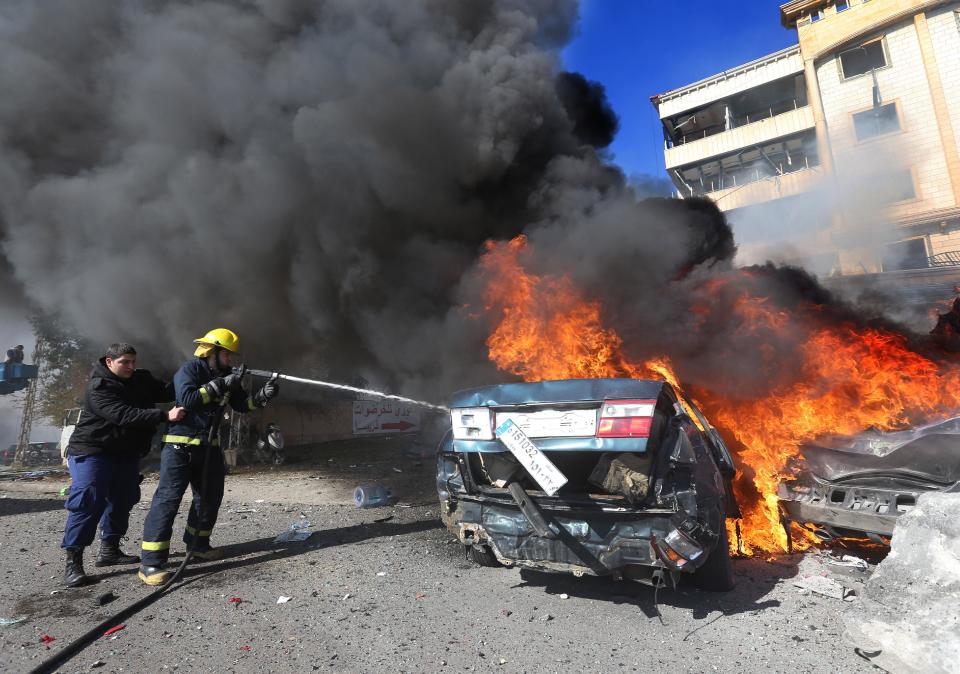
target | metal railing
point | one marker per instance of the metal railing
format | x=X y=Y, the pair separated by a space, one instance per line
x=951 y=258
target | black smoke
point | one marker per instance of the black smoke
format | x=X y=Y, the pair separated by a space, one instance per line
x=321 y=178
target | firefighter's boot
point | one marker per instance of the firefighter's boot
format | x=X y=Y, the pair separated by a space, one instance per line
x=207 y=553
x=153 y=575
x=74 y=575
x=111 y=555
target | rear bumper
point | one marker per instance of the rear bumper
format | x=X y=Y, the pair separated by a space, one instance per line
x=588 y=541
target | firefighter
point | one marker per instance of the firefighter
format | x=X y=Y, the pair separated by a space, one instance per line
x=202 y=384
x=115 y=429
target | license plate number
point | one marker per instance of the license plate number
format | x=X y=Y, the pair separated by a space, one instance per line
x=541 y=468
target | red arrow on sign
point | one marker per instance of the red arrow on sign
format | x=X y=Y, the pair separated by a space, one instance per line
x=397 y=426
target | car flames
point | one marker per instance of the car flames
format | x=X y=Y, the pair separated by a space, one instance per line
x=844 y=376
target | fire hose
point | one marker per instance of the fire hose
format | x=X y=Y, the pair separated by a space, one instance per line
x=77 y=645
x=341 y=387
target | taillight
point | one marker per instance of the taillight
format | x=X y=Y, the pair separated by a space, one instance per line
x=626 y=419
x=472 y=423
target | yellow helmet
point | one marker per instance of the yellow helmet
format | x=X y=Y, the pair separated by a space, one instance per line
x=225 y=339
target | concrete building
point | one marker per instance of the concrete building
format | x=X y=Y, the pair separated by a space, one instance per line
x=844 y=147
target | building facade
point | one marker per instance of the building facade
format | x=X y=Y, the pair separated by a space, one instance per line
x=843 y=147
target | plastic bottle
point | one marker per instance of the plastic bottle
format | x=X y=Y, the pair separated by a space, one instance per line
x=371 y=496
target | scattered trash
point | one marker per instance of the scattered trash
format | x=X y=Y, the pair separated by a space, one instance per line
x=419 y=595
x=397 y=470
x=259 y=500
x=296 y=532
x=53 y=592
x=564 y=596
x=381 y=573
x=106 y=598
x=64 y=491
x=848 y=561
x=826 y=587
x=383 y=519
x=371 y=495
x=283 y=600
x=46 y=639
x=12 y=621
x=506 y=613
x=244 y=648
x=114 y=629
x=346 y=596
x=97 y=663
x=239 y=511
x=235 y=600
x=546 y=618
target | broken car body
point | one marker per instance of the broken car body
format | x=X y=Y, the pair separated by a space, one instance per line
x=644 y=492
x=860 y=485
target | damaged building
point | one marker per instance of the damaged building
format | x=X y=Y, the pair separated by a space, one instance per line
x=844 y=144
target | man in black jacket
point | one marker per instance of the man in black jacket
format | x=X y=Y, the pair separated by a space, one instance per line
x=115 y=429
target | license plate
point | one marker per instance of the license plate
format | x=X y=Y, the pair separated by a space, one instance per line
x=553 y=423
x=541 y=468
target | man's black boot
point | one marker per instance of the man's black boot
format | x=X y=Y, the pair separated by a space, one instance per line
x=73 y=575
x=111 y=555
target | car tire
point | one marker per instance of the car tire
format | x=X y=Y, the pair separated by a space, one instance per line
x=716 y=574
x=483 y=556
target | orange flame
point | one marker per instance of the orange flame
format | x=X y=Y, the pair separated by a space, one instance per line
x=849 y=378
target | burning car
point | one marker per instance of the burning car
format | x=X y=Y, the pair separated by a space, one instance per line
x=858 y=486
x=620 y=477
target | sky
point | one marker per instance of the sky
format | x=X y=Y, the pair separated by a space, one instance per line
x=638 y=48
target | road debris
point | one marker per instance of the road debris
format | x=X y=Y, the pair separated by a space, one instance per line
x=235 y=600
x=47 y=639
x=106 y=598
x=245 y=648
x=283 y=600
x=848 y=561
x=826 y=587
x=12 y=621
x=114 y=630
x=297 y=532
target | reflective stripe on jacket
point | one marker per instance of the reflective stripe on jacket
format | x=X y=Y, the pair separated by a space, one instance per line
x=201 y=408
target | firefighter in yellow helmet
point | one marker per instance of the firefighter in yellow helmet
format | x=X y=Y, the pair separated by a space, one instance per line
x=200 y=385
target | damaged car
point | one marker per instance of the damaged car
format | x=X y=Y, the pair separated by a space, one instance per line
x=857 y=486
x=606 y=477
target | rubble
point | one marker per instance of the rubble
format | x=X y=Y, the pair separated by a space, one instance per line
x=826 y=587
x=624 y=474
x=909 y=618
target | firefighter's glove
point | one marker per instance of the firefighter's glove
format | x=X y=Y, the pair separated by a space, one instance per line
x=219 y=387
x=268 y=392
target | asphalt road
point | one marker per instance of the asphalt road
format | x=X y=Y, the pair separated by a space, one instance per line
x=372 y=594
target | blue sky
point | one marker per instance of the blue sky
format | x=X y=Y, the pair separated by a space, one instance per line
x=637 y=48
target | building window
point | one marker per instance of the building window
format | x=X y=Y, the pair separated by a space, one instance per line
x=893 y=187
x=863 y=59
x=909 y=254
x=876 y=121
x=842 y=6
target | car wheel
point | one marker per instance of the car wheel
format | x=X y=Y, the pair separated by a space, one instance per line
x=483 y=556
x=716 y=575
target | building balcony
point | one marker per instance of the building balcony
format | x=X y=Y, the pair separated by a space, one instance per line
x=767 y=189
x=750 y=135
